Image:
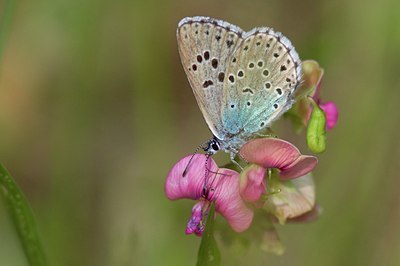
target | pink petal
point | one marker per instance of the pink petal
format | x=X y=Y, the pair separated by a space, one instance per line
x=332 y=114
x=225 y=191
x=277 y=153
x=296 y=197
x=309 y=216
x=191 y=185
x=252 y=183
x=195 y=224
x=302 y=166
x=270 y=152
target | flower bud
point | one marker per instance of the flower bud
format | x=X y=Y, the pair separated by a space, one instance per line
x=316 y=129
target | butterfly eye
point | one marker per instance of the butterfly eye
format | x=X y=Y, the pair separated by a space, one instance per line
x=215 y=146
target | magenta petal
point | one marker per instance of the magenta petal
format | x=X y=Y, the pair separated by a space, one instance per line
x=332 y=114
x=270 y=152
x=302 y=166
x=252 y=183
x=228 y=201
x=195 y=222
x=191 y=185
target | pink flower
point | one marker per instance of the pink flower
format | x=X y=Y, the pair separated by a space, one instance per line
x=222 y=186
x=229 y=192
x=295 y=197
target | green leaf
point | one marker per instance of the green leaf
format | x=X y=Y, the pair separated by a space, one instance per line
x=209 y=254
x=22 y=218
x=316 y=129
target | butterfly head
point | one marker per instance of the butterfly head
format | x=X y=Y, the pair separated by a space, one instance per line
x=213 y=146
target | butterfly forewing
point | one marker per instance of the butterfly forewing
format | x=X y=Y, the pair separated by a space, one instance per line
x=205 y=46
x=262 y=75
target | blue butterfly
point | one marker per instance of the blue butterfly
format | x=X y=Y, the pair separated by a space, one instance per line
x=242 y=81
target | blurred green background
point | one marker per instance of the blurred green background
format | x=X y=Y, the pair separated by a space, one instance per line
x=95 y=109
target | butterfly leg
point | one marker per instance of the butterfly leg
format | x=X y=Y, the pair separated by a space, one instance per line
x=241 y=157
x=235 y=162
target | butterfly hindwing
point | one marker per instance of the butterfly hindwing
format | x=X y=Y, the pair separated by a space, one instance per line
x=261 y=77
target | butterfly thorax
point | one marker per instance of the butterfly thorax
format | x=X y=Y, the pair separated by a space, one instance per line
x=231 y=145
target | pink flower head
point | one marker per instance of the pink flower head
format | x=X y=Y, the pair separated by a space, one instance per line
x=222 y=186
x=230 y=193
x=291 y=201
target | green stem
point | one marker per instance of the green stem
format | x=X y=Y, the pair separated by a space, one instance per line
x=209 y=254
x=22 y=218
x=5 y=21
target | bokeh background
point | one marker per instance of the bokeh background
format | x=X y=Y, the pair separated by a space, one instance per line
x=95 y=108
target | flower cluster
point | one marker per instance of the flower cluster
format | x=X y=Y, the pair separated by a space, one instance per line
x=277 y=180
x=231 y=190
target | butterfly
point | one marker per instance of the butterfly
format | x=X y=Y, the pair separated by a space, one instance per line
x=242 y=81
